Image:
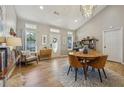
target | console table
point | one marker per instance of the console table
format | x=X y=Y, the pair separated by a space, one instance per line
x=45 y=53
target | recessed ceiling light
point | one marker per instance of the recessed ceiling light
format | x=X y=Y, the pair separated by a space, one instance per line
x=41 y=7
x=75 y=20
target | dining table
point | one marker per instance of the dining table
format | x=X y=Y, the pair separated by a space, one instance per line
x=86 y=57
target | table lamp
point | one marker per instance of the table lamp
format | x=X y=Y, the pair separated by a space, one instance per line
x=3 y=41
x=13 y=41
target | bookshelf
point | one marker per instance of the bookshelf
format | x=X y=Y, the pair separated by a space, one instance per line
x=89 y=41
x=7 y=63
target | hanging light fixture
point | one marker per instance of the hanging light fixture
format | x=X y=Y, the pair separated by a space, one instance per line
x=87 y=10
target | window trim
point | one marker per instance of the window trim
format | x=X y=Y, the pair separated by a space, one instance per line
x=26 y=30
x=70 y=34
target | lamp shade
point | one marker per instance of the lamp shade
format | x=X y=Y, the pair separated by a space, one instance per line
x=13 y=41
x=2 y=39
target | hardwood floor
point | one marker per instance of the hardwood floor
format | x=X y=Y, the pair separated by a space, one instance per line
x=44 y=74
x=116 y=67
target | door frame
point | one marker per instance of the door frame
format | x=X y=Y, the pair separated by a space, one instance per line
x=52 y=34
x=114 y=29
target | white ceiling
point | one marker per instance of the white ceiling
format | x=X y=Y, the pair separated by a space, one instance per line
x=65 y=19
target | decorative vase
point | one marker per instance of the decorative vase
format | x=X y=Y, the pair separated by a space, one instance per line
x=85 y=51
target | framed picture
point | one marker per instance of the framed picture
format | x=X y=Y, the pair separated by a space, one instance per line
x=44 y=39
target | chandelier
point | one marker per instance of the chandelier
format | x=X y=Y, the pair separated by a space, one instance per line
x=87 y=10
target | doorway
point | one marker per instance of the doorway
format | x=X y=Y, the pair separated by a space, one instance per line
x=113 y=44
x=55 y=44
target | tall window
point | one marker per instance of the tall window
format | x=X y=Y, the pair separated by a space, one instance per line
x=70 y=40
x=30 y=40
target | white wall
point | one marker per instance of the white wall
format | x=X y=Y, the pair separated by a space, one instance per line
x=43 y=29
x=110 y=16
x=10 y=19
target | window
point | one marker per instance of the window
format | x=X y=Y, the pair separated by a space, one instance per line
x=31 y=40
x=30 y=26
x=70 y=40
x=54 y=30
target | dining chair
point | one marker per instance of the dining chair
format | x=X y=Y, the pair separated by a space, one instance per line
x=99 y=63
x=75 y=63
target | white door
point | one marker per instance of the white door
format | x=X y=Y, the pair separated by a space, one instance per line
x=113 y=44
x=55 y=44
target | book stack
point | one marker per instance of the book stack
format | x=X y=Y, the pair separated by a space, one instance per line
x=2 y=67
x=7 y=61
x=3 y=64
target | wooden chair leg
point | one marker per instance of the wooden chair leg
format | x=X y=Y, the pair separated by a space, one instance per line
x=104 y=73
x=25 y=63
x=100 y=75
x=37 y=60
x=93 y=69
x=85 y=73
x=76 y=69
x=69 y=70
x=87 y=68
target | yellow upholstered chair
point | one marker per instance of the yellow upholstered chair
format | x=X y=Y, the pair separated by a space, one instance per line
x=99 y=63
x=75 y=63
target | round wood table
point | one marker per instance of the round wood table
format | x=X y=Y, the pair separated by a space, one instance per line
x=91 y=55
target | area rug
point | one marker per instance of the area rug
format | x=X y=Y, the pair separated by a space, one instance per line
x=113 y=79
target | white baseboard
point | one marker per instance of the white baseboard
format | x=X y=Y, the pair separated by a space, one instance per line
x=122 y=63
x=116 y=62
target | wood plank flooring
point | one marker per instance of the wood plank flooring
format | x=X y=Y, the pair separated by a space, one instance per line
x=44 y=74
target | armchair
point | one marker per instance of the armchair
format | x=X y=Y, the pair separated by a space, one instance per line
x=27 y=57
